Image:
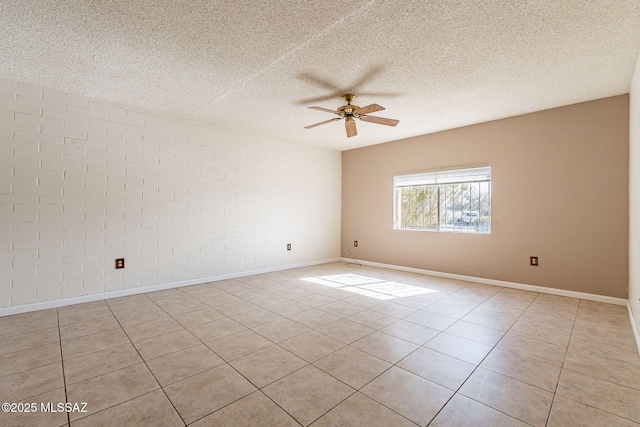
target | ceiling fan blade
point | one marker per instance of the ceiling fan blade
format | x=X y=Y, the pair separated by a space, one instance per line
x=325 y=110
x=369 y=109
x=380 y=120
x=351 y=128
x=322 y=123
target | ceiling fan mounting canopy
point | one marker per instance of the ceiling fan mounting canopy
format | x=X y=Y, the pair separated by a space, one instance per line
x=348 y=109
x=350 y=112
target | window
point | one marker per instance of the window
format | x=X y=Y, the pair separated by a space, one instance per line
x=450 y=200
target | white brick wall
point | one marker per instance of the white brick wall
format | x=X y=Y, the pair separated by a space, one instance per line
x=83 y=182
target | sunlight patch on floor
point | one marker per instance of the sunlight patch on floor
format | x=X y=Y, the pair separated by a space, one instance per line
x=369 y=286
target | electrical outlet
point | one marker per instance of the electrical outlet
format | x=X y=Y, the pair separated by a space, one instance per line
x=119 y=262
x=288 y=246
x=355 y=243
x=533 y=260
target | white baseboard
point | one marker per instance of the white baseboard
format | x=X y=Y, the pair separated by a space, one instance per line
x=634 y=326
x=133 y=291
x=514 y=285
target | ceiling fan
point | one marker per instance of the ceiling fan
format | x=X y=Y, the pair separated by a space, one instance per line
x=351 y=112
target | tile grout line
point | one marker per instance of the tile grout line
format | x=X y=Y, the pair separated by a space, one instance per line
x=456 y=392
x=64 y=379
x=146 y=365
x=563 y=368
x=564 y=358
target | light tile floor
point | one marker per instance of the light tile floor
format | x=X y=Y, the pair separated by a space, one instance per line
x=329 y=345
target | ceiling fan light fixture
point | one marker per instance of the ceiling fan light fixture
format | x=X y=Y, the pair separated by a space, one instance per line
x=350 y=112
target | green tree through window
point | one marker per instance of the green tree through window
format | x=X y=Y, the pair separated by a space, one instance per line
x=452 y=200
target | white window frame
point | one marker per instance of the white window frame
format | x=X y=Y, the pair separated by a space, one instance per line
x=452 y=200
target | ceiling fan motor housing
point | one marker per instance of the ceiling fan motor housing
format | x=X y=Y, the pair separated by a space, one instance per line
x=348 y=109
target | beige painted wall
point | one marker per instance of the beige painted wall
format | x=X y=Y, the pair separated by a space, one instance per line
x=634 y=197
x=560 y=192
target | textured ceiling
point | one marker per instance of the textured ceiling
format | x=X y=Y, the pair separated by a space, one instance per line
x=256 y=65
